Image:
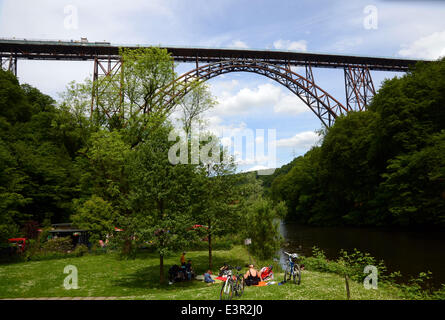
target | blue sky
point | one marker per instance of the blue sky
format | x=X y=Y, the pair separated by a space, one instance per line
x=412 y=29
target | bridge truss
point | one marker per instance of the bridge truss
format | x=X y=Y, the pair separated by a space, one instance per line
x=276 y=65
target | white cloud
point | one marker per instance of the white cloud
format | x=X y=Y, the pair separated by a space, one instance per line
x=98 y=20
x=302 y=140
x=224 y=86
x=238 y=44
x=300 y=45
x=261 y=97
x=428 y=47
x=290 y=104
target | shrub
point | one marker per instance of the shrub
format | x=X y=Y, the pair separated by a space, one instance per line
x=351 y=264
x=60 y=245
x=80 y=250
x=354 y=263
x=319 y=262
x=42 y=255
x=32 y=248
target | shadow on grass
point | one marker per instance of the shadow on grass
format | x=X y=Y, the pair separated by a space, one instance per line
x=148 y=277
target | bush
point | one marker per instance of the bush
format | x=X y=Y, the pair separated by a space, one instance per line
x=319 y=262
x=59 y=245
x=351 y=264
x=354 y=263
x=80 y=250
x=42 y=255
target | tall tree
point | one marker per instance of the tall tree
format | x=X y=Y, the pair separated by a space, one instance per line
x=194 y=104
x=160 y=195
x=216 y=203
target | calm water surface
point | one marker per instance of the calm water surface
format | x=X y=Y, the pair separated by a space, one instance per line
x=409 y=252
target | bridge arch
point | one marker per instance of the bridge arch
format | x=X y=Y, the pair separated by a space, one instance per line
x=325 y=107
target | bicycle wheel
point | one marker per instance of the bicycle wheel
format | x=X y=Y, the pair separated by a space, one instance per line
x=239 y=286
x=297 y=274
x=226 y=290
x=287 y=274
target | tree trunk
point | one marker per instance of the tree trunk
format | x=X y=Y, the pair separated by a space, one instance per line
x=210 y=246
x=161 y=268
x=127 y=246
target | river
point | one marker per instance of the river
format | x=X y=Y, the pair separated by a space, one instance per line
x=409 y=252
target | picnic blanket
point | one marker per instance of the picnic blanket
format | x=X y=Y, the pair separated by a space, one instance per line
x=217 y=279
x=261 y=284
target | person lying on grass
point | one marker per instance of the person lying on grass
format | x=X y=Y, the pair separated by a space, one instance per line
x=252 y=276
x=208 y=277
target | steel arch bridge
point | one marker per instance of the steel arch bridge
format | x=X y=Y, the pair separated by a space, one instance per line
x=276 y=65
x=325 y=107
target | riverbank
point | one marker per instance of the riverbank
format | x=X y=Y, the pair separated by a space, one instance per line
x=407 y=251
x=108 y=276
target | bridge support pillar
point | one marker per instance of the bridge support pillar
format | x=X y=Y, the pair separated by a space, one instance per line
x=9 y=64
x=359 y=88
x=107 y=85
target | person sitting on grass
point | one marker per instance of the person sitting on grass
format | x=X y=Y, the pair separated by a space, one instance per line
x=183 y=259
x=252 y=276
x=208 y=277
x=189 y=270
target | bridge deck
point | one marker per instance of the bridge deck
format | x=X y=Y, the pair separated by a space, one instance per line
x=83 y=51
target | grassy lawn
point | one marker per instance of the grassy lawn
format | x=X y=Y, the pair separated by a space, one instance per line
x=107 y=276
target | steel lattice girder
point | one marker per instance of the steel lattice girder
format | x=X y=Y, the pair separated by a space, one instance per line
x=9 y=64
x=104 y=78
x=359 y=87
x=319 y=101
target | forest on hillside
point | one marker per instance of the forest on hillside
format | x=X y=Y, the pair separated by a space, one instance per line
x=381 y=167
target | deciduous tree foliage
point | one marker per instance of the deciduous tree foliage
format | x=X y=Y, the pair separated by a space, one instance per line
x=38 y=143
x=384 y=167
x=160 y=195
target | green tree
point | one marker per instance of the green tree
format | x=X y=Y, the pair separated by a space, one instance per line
x=380 y=167
x=262 y=221
x=160 y=195
x=39 y=179
x=96 y=216
x=194 y=104
x=215 y=203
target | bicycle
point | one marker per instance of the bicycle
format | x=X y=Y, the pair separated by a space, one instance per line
x=233 y=284
x=293 y=271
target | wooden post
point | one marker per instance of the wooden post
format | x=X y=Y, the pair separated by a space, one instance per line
x=348 y=294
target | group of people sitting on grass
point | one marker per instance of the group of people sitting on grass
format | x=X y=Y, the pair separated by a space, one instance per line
x=251 y=277
x=184 y=272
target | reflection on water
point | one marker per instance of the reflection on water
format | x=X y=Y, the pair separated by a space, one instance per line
x=409 y=252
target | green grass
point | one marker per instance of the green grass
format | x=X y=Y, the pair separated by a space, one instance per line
x=107 y=276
